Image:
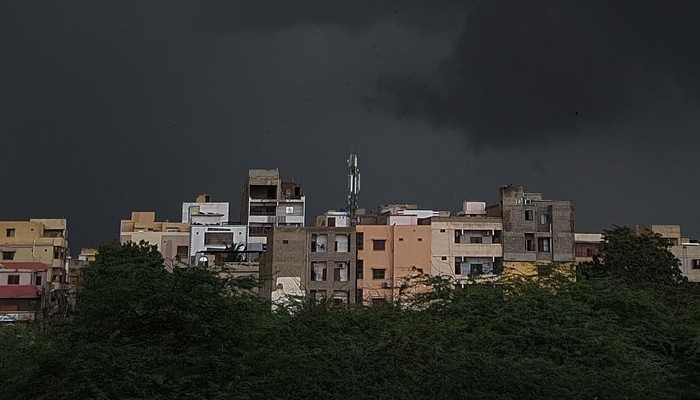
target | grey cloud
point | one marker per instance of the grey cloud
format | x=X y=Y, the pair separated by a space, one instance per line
x=522 y=71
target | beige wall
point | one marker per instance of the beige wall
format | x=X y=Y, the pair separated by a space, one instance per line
x=444 y=248
x=143 y=226
x=406 y=252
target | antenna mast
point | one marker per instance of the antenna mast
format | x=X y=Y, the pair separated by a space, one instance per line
x=353 y=187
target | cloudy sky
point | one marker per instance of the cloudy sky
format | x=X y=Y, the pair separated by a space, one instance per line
x=109 y=107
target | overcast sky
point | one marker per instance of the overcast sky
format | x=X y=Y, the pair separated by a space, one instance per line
x=111 y=107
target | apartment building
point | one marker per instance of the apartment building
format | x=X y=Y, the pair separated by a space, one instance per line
x=535 y=230
x=316 y=262
x=171 y=238
x=267 y=203
x=37 y=240
x=210 y=229
x=25 y=291
x=391 y=252
x=685 y=249
x=586 y=246
x=467 y=246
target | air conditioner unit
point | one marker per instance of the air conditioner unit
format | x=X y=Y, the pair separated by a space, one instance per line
x=386 y=285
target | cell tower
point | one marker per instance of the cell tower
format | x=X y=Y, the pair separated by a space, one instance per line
x=353 y=187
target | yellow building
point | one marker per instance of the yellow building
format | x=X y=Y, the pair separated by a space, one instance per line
x=37 y=240
x=171 y=238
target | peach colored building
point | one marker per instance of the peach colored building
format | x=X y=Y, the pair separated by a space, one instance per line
x=388 y=254
x=171 y=238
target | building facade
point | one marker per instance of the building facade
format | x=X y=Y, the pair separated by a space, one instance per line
x=26 y=292
x=389 y=254
x=171 y=238
x=535 y=230
x=467 y=246
x=267 y=203
x=686 y=250
x=586 y=246
x=315 y=262
x=37 y=240
x=210 y=229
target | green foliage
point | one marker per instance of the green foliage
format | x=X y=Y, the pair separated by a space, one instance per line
x=145 y=333
x=636 y=257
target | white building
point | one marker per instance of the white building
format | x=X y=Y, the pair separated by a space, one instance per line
x=210 y=229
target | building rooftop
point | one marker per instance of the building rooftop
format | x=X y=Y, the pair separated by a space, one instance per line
x=24 y=265
x=18 y=292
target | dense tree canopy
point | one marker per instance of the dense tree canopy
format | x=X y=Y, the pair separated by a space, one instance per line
x=640 y=257
x=145 y=333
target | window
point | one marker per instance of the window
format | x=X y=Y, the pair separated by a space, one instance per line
x=476 y=269
x=340 y=297
x=203 y=262
x=475 y=239
x=319 y=243
x=182 y=252
x=10 y=232
x=529 y=214
x=544 y=219
x=529 y=245
x=13 y=279
x=378 y=273
x=443 y=258
x=696 y=264
x=543 y=245
x=378 y=244
x=331 y=221
x=400 y=239
x=360 y=239
x=37 y=281
x=285 y=241
x=458 y=235
x=342 y=243
x=289 y=210
x=57 y=253
x=458 y=265
x=8 y=255
x=318 y=295
x=442 y=231
x=340 y=272
x=319 y=272
x=218 y=239
x=359 y=267
x=420 y=239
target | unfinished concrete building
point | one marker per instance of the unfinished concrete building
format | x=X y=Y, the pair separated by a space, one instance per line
x=268 y=202
x=535 y=230
x=318 y=262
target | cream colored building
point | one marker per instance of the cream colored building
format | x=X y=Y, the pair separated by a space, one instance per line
x=467 y=247
x=171 y=238
x=685 y=249
x=37 y=240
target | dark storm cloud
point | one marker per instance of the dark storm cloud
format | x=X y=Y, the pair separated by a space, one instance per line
x=522 y=70
x=231 y=16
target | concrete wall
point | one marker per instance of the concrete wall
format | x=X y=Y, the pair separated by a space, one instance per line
x=289 y=258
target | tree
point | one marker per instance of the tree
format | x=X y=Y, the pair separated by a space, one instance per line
x=639 y=257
